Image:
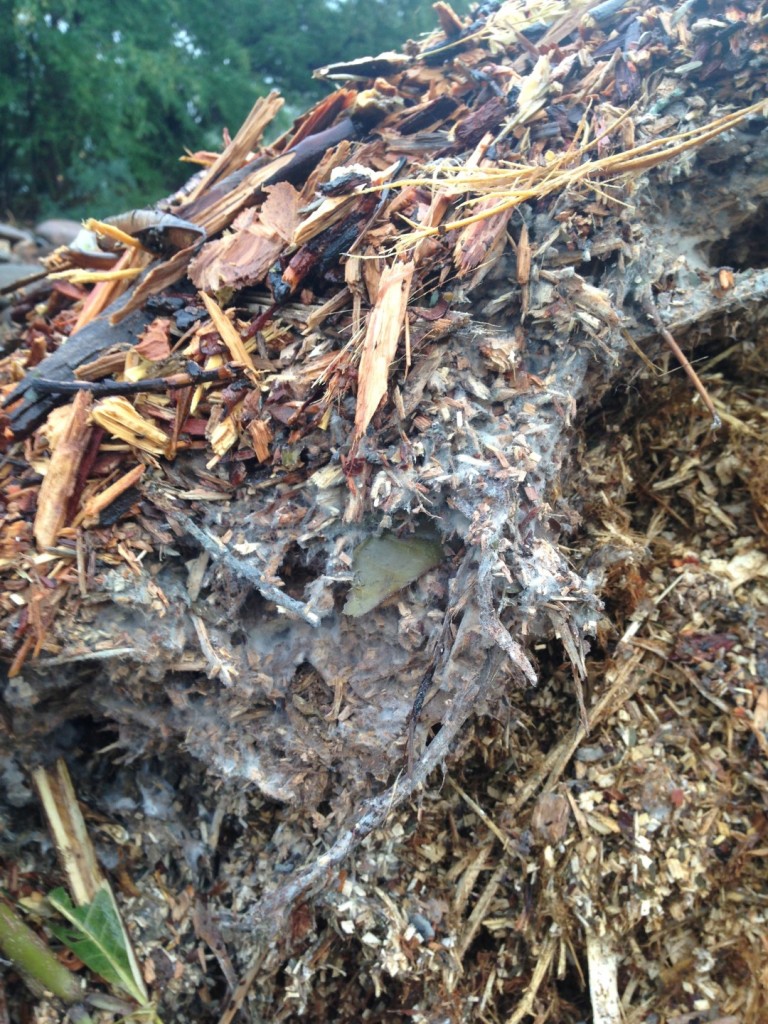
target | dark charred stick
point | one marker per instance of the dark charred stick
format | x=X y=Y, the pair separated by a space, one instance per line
x=384 y=198
x=307 y=153
x=448 y=48
x=261 y=321
x=415 y=712
x=474 y=126
x=602 y=13
x=304 y=157
x=323 y=250
x=224 y=374
x=425 y=118
x=22 y=282
x=82 y=347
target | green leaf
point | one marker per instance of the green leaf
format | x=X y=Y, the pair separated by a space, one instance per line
x=98 y=938
x=383 y=565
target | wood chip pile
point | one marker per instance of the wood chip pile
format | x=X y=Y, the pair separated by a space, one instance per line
x=355 y=459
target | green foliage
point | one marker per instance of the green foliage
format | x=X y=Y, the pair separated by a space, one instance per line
x=33 y=959
x=100 y=100
x=97 y=936
x=286 y=41
x=91 y=88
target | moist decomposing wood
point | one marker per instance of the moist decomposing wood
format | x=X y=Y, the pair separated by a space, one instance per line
x=369 y=453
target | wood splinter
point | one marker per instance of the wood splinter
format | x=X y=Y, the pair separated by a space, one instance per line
x=649 y=307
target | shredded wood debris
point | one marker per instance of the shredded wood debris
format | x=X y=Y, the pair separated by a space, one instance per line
x=445 y=321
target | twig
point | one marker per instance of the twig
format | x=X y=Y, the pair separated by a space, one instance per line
x=492 y=624
x=216 y=666
x=22 y=282
x=480 y=911
x=540 y=971
x=416 y=709
x=649 y=307
x=547 y=774
x=220 y=553
x=67 y=659
x=489 y=823
x=70 y=833
x=267 y=915
x=193 y=377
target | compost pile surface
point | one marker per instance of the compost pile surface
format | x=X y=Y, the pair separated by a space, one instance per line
x=375 y=459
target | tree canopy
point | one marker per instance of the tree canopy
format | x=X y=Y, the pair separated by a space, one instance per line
x=100 y=100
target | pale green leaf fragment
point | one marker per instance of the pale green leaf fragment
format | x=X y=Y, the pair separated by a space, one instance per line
x=98 y=938
x=383 y=565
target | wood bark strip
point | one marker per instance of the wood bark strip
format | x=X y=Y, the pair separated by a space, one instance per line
x=59 y=482
x=385 y=322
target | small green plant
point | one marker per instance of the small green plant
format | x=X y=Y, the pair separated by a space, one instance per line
x=96 y=935
x=34 y=961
